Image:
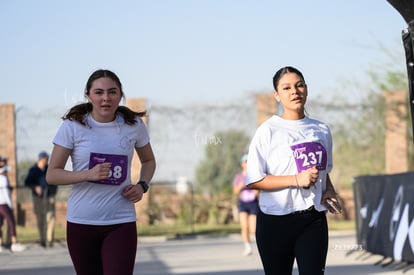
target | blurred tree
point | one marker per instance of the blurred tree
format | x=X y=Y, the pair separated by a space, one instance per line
x=359 y=127
x=359 y=141
x=215 y=173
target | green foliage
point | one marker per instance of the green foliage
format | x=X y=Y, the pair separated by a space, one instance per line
x=359 y=136
x=389 y=80
x=392 y=74
x=222 y=161
x=359 y=141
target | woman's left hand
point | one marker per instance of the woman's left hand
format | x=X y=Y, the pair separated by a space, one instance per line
x=133 y=193
x=331 y=201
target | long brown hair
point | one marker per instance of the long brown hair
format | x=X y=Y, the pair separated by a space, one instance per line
x=79 y=111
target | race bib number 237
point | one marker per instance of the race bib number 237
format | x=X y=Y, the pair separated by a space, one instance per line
x=309 y=154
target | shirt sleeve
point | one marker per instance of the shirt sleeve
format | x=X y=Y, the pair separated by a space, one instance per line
x=65 y=135
x=256 y=160
x=142 y=134
x=329 y=164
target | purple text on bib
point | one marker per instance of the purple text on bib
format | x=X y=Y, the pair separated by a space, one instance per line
x=309 y=154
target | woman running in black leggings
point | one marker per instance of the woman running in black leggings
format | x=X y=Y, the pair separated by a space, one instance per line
x=289 y=159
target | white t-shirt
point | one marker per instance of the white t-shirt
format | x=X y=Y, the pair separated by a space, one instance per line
x=5 y=197
x=97 y=203
x=286 y=147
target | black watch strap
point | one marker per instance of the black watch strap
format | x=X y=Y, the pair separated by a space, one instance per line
x=144 y=185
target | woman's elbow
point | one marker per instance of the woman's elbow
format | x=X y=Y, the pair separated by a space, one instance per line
x=50 y=179
x=250 y=186
x=255 y=185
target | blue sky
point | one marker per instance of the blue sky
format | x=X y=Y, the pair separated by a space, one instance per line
x=184 y=51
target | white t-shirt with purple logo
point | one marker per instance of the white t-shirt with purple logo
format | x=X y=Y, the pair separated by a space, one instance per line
x=287 y=147
x=101 y=203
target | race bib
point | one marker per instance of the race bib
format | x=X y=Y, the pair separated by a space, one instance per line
x=247 y=195
x=309 y=154
x=119 y=167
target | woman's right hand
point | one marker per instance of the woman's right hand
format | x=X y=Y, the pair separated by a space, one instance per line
x=101 y=171
x=308 y=178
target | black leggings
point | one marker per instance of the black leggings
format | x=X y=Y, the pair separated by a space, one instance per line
x=107 y=249
x=282 y=239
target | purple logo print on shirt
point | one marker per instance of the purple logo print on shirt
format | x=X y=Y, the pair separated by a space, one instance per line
x=309 y=154
x=119 y=167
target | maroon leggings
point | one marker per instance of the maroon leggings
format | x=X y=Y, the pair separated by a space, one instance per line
x=102 y=249
x=7 y=213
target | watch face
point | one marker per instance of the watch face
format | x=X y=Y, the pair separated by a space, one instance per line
x=144 y=185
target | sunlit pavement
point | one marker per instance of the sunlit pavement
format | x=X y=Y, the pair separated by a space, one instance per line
x=201 y=256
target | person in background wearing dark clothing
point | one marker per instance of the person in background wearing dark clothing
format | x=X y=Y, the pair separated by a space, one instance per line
x=6 y=208
x=43 y=199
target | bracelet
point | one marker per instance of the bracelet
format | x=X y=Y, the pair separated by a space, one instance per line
x=296 y=180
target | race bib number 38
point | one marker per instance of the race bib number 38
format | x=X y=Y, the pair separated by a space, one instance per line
x=309 y=154
x=119 y=167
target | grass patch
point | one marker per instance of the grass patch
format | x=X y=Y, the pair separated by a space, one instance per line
x=341 y=225
x=181 y=230
x=30 y=234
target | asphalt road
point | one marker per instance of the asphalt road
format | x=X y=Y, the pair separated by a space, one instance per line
x=200 y=256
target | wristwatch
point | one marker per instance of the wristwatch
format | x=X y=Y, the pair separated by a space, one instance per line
x=144 y=185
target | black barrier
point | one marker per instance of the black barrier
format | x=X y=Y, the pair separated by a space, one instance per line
x=384 y=214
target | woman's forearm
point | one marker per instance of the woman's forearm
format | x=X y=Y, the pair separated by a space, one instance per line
x=147 y=170
x=271 y=182
x=59 y=176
